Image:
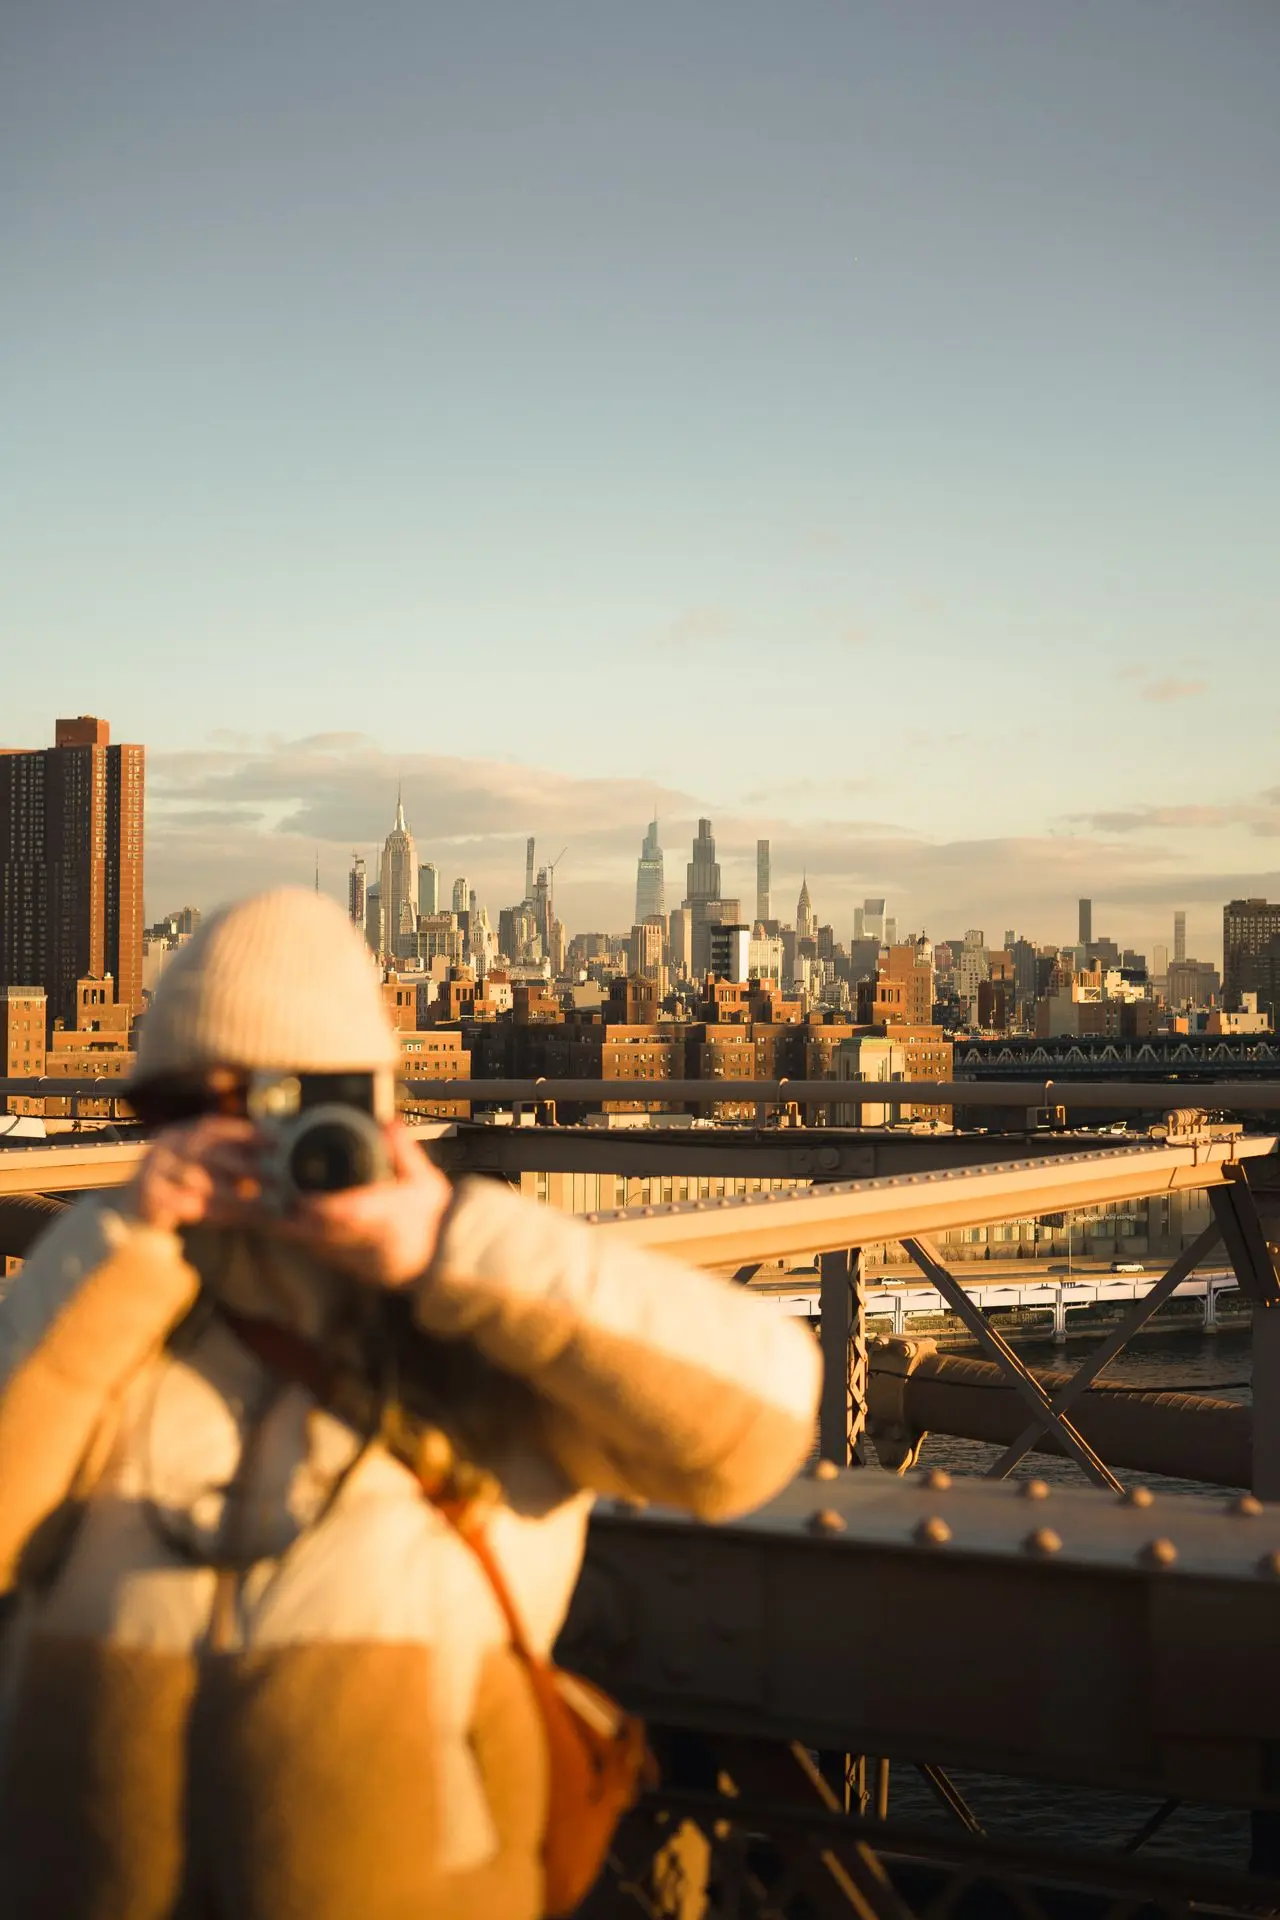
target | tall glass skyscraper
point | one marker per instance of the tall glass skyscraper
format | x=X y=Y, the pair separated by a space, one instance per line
x=651 y=893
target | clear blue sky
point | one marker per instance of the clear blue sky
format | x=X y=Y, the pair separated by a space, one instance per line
x=856 y=421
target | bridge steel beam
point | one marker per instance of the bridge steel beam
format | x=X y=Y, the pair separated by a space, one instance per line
x=1101 y=1358
x=842 y=1415
x=1254 y=1258
x=917 y=1391
x=813 y=1619
x=1019 y=1376
x=829 y=1218
x=1042 y=1096
x=1029 y=1095
x=59 y=1170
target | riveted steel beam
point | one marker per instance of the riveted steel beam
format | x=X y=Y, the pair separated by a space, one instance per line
x=71 y=1169
x=730 y=1232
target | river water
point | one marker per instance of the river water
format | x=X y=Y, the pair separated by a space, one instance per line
x=1073 y=1816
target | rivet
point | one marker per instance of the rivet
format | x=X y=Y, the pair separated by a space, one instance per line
x=1270 y=1565
x=1137 y=1497
x=1034 y=1490
x=1159 y=1553
x=1247 y=1506
x=827 y=1520
x=933 y=1532
x=1043 y=1540
x=937 y=1480
x=824 y=1470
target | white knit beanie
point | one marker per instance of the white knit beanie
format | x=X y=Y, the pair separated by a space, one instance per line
x=282 y=982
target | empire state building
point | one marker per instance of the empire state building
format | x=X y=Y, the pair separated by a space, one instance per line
x=399 y=880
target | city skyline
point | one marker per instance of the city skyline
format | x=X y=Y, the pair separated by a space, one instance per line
x=241 y=818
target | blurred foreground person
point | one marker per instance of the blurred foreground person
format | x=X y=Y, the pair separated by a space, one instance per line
x=297 y=1447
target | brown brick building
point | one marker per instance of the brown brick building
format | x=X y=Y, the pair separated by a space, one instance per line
x=22 y=1040
x=71 y=825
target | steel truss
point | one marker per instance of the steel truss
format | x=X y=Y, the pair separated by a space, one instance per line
x=1256 y=1262
x=752 y=1830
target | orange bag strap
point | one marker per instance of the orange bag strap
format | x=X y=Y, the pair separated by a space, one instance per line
x=473 y=1536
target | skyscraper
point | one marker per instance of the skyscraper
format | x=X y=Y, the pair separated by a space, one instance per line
x=1086 y=922
x=357 y=890
x=703 y=881
x=1250 y=943
x=399 y=882
x=762 y=880
x=528 y=871
x=374 y=927
x=872 y=920
x=703 y=896
x=71 y=822
x=428 y=888
x=1180 y=938
x=461 y=895
x=650 y=884
x=806 y=918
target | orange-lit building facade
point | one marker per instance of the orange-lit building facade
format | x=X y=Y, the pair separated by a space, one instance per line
x=71 y=865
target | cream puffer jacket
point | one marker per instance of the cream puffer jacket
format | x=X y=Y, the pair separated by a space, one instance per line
x=343 y=1731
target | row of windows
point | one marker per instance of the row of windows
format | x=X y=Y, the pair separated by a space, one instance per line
x=591 y=1192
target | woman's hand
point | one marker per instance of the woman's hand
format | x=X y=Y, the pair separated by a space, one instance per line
x=384 y=1234
x=204 y=1172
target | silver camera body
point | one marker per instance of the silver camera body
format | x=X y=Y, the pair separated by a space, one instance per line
x=323 y=1132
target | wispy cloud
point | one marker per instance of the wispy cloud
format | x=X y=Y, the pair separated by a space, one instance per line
x=1160 y=689
x=696 y=627
x=1260 y=816
x=1167 y=690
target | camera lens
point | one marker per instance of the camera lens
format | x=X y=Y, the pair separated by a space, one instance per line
x=329 y=1156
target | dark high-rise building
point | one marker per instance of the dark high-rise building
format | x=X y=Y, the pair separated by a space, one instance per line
x=1250 y=937
x=71 y=824
x=357 y=890
x=1180 y=936
x=762 y=880
x=1086 y=923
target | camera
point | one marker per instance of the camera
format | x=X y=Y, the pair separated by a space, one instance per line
x=323 y=1131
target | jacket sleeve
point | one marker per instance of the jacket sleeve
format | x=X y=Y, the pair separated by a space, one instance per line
x=661 y=1382
x=96 y=1299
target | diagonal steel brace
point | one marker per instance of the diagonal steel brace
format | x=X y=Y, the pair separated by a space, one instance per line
x=1137 y=1317
x=1024 y=1381
x=1235 y=1213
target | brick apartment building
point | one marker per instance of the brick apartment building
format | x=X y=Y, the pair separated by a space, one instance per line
x=71 y=825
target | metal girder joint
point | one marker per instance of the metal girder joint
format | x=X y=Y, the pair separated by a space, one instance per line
x=1137 y=1317
x=842 y=1416
x=1023 y=1380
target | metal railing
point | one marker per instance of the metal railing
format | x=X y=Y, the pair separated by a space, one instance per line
x=1041 y=1095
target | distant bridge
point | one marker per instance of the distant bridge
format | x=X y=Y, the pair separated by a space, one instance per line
x=1186 y=1057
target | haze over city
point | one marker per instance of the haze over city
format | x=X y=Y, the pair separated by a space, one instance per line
x=856 y=424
